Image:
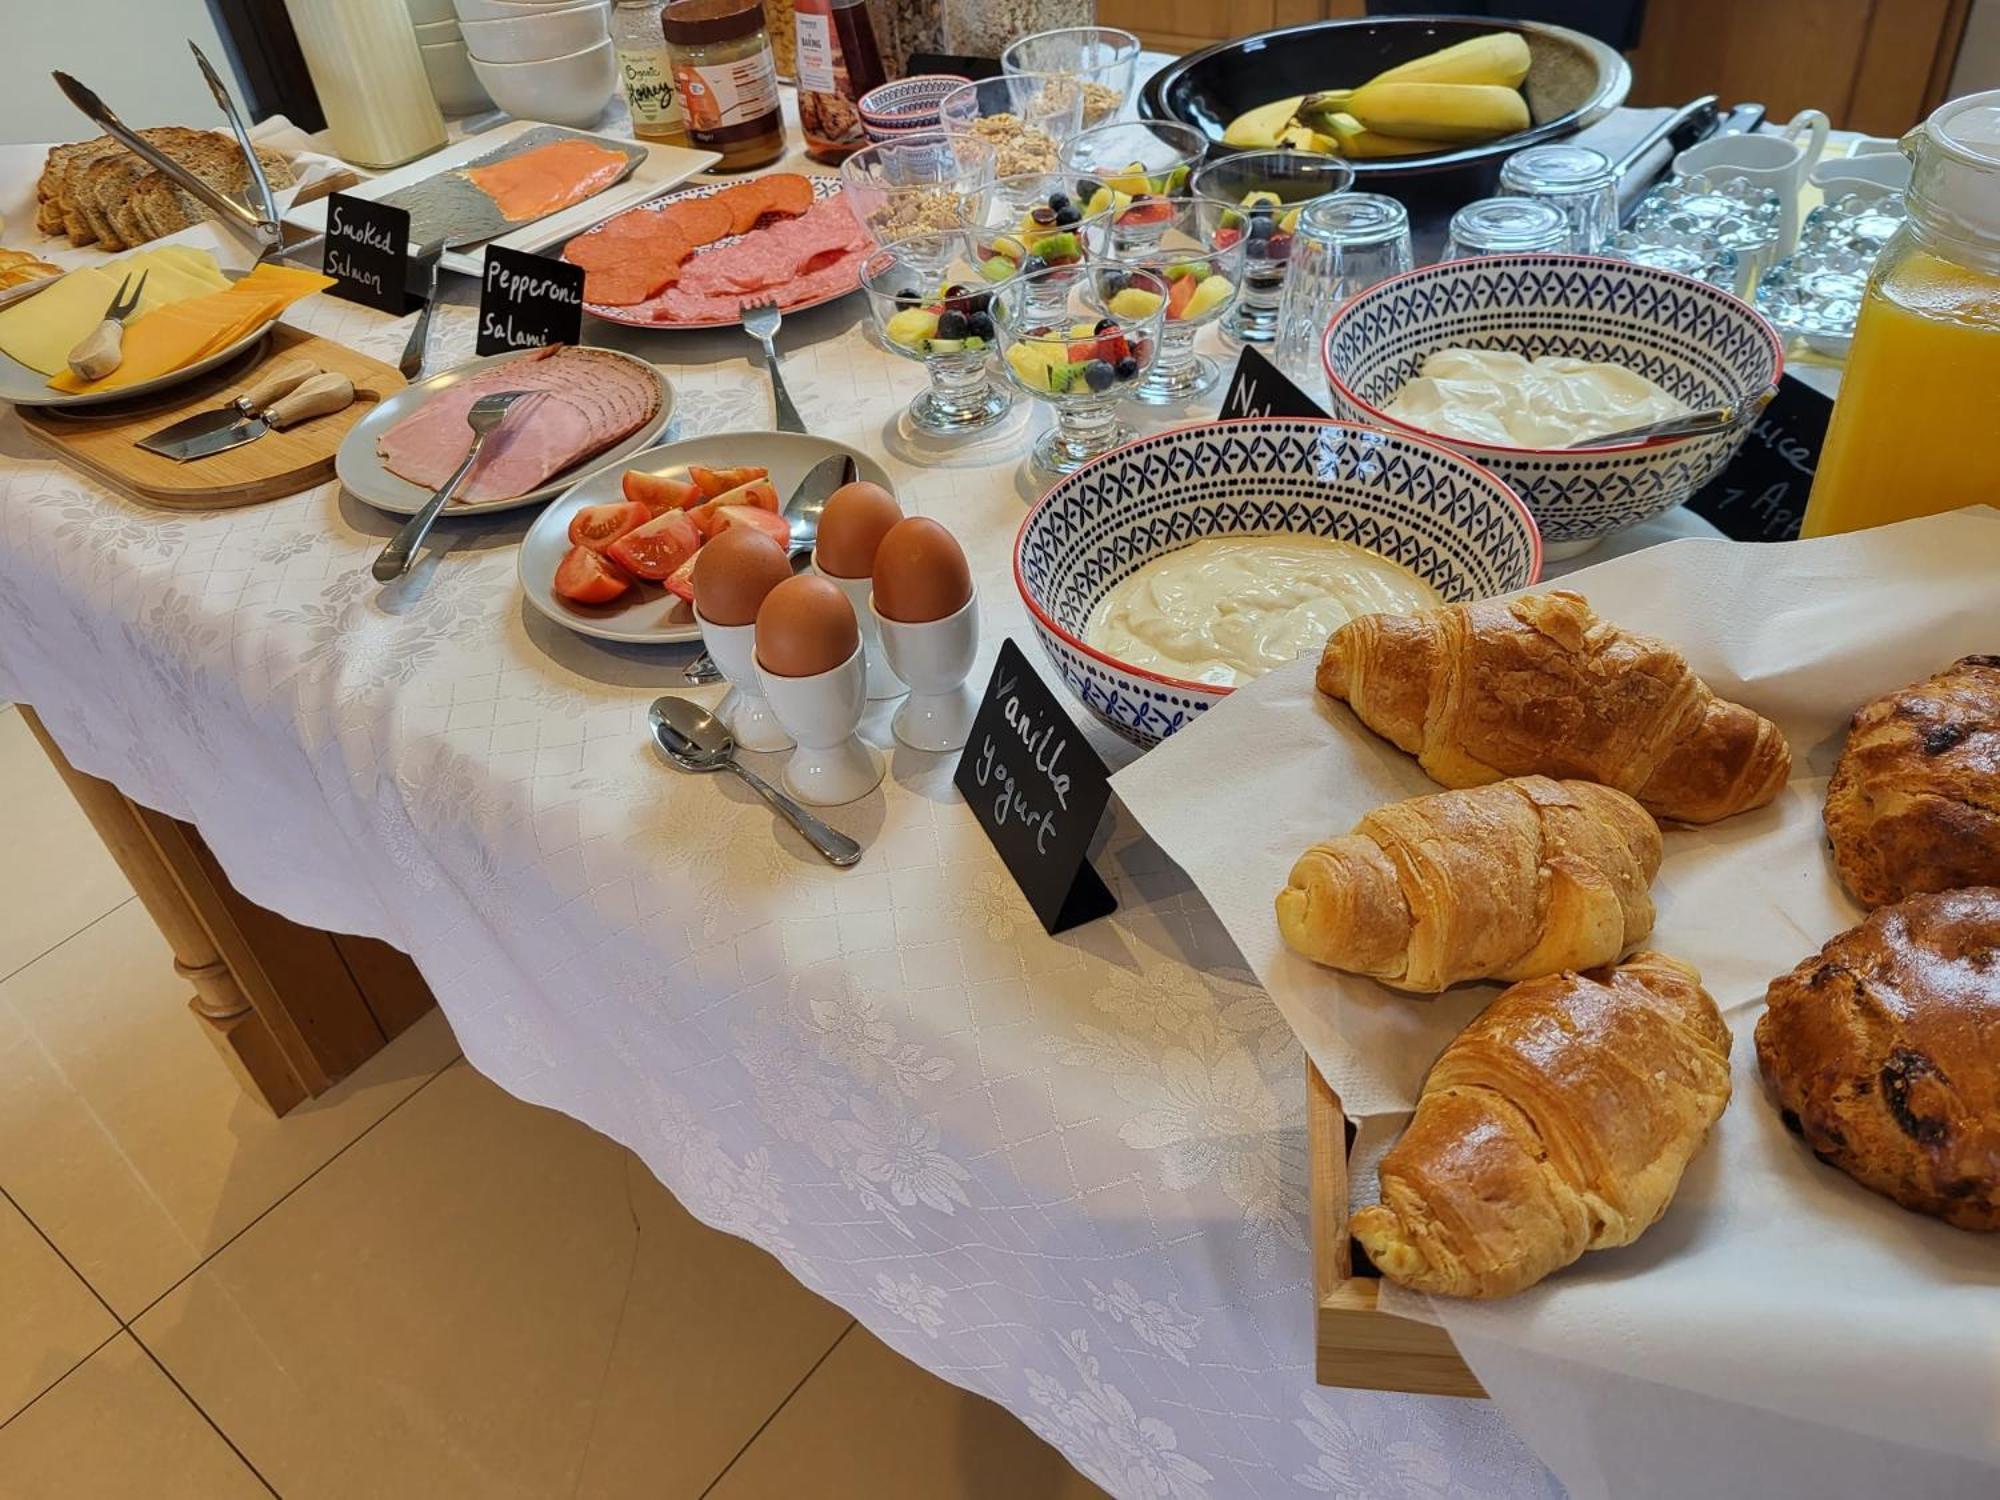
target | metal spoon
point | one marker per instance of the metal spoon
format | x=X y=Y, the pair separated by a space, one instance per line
x=692 y=739
x=1689 y=424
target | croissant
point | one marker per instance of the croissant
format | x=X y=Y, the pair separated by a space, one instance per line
x=1559 y=1121
x=1524 y=877
x=1540 y=685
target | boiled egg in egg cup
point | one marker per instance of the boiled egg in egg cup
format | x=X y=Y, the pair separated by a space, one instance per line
x=1081 y=354
x=930 y=304
x=927 y=613
x=810 y=667
x=851 y=527
x=732 y=577
x=1202 y=278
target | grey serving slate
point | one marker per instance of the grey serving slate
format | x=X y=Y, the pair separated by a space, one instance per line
x=450 y=207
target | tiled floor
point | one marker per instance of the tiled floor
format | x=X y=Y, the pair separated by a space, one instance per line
x=416 y=1286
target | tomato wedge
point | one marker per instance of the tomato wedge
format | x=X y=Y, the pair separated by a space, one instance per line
x=773 y=526
x=713 y=482
x=598 y=526
x=681 y=580
x=660 y=494
x=583 y=577
x=757 y=493
x=654 y=550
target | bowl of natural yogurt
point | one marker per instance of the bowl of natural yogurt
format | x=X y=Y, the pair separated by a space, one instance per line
x=1509 y=359
x=1164 y=574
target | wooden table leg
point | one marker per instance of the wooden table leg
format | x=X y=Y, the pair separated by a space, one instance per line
x=291 y=1009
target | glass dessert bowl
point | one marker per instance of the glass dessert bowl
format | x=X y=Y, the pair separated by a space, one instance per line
x=931 y=305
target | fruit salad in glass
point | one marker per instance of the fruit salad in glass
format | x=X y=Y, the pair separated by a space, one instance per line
x=1133 y=171
x=1202 y=276
x=1030 y=223
x=1254 y=197
x=930 y=305
x=1071 y=342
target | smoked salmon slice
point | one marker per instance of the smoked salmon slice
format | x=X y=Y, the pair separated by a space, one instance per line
x=548 y=178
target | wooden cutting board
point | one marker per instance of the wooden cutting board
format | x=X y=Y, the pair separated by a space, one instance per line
x=103 y=441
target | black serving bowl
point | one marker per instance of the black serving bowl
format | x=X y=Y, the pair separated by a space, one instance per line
x=1572 y=80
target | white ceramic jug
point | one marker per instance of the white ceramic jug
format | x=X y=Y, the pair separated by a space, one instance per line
x=1778 y=161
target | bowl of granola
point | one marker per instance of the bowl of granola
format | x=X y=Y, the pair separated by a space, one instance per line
x=915 y=186
x=1025 y=117
x=1103 y=60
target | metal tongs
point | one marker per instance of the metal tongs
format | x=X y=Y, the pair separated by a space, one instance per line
x=260 y=221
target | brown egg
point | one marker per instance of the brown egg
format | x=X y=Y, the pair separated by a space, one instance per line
x=805 y=626
x=920 y=573
x=733 y=573
x=856 y=518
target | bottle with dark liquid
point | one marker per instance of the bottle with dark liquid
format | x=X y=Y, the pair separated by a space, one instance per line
x=838 y=61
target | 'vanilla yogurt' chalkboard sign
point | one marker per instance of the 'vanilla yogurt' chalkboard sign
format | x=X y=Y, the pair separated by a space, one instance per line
x=526 y=301
x=367 y=253
x=1039 y=791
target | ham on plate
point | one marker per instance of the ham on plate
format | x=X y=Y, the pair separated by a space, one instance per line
x=584 y=401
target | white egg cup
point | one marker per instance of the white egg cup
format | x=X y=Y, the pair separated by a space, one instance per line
x=831 y=765
x=745 y=711
x=882 y=679
x=935 y=658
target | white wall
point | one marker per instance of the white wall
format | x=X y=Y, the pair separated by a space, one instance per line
x=1979 y=55
x=132 y=52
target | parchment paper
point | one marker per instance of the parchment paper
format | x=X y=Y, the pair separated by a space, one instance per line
x=1774 y=1282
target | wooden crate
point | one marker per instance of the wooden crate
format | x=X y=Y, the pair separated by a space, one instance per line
x=1358 y=1344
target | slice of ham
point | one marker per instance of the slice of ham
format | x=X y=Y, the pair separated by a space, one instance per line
x=584 y=401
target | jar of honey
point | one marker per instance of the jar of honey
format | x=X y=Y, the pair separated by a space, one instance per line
x=727 y=79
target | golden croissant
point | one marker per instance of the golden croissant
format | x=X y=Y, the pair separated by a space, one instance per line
x=1558 y=1122
x=1524 y=877
x=1539 y=685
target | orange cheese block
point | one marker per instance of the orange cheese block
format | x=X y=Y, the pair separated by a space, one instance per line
x=179 y=334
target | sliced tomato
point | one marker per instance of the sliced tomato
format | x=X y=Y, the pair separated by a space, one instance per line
x=681 y=580
x=773 y=526
x=598 y=526
x=658 y=494
x=757 y=494
x=583 y=577
x=713 y=482
x=657 y=548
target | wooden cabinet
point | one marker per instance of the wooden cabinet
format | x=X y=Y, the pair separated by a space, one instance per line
x=1187 y=25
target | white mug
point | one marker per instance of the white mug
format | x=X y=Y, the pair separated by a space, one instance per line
x=882 y=679
x=750 y=720
x=1775 y=161
x=831 y=765
x=1873 y=176
x=935 y=658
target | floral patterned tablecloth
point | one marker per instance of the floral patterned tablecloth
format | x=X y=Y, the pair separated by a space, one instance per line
x=1066 y=1173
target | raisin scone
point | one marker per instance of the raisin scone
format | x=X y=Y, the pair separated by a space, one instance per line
x=1883 y=1051
x=1914 y=804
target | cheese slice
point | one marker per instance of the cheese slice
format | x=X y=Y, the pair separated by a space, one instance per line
x=41 y=331
x=160 y=342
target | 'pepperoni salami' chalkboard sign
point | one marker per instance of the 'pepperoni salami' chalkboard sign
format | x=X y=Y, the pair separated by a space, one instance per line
x=526 y=301
x=1039 y=791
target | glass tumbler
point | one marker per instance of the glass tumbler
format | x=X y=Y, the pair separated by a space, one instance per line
x=1345 y=245
x=1575 y=181
x=1505 y=226
x=1258 y=195
x=1103 y=58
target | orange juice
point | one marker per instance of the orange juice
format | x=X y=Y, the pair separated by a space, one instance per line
x=1915 y=428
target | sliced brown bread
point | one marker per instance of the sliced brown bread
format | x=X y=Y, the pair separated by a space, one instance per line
x=162 y=206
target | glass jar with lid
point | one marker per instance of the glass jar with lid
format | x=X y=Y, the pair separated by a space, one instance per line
x=648 y=71
x=727 y=79
x=986 y=28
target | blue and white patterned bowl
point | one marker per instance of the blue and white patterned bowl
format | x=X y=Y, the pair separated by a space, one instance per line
x=1699 y=343
x=1446 y=519
x=906 y=104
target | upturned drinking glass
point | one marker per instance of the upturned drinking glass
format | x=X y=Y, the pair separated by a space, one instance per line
x=1575 y=181
x=1345 y=244
x=1505 y=226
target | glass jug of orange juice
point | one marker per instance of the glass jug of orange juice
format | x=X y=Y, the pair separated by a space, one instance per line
x=1917 y=421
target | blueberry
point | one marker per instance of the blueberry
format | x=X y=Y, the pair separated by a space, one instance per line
x=908 y=297
x=978 y=302
x=1059 y=201
x=1066 y=216
x=980 y=324
x=1111 y=283
x=1098 y=375
x=952 y=325
x=1262 y=213
x=1033 y=263
x=1126 y=369
x=1107 y=325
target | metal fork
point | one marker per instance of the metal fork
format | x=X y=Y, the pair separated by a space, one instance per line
x=102 y=350
x=486 y=414
x=761 y=321
x=412 y=362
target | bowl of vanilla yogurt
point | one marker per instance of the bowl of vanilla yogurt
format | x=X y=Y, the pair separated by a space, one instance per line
x=1511 y=359
x=1167 y=573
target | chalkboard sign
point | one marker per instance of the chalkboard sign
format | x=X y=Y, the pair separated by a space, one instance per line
x=526 y=301
x=1260 y=389
x=367 y=253
x=1761 y=496
x=1039 y=791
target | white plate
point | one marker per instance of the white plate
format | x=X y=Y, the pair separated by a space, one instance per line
x=360 y=469
x=661 y=168
x=658 y=618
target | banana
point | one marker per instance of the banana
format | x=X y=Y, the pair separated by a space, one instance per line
x=1501 y=58
x=1439 y=111
x=1261 y=129
x=1354 y=139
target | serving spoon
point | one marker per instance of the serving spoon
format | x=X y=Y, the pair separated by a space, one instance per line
x=1721 y=418
x=692 y=739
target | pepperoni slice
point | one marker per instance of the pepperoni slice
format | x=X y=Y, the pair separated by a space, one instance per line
x=702 y=220
x=633 y=282
x=787 y=193
x=746 y=202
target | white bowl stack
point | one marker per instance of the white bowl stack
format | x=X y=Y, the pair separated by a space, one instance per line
x=446 y=62
x=549 y=60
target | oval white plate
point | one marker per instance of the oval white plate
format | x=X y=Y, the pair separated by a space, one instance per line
x=359 y=467
x=656 y=617
x=26 y=387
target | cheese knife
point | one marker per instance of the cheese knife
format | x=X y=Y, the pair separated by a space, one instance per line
x=319 y=395
x=280 y=380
